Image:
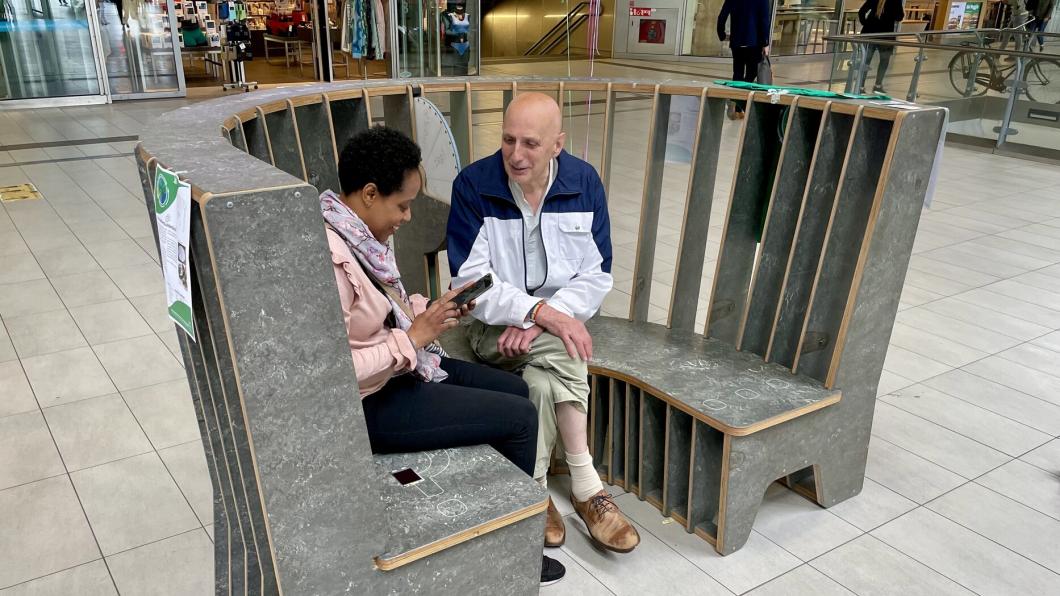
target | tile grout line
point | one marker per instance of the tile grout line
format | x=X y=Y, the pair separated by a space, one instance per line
x=888 y=545
x=22 y=583
x=925 y=507
x=921 y=457
x=77 y=494
x=100 y=363
x=959 y=398
x=961 y=368
x=966 y=479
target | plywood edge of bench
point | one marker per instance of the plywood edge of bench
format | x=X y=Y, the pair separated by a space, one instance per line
x=390 y=563
x=735 y=431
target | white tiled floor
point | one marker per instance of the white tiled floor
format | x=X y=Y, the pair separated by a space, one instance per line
x=103 y=483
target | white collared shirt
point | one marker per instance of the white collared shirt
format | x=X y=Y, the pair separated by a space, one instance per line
x=536 y=261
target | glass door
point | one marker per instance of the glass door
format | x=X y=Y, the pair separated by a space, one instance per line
x=46 y=50
x=139 y=49
x=433 y=38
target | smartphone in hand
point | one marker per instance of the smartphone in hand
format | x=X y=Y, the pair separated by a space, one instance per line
x=474 y=290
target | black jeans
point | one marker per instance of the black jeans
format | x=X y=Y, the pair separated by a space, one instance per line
x=881 y=68
x=745 y=63
x=475 y=405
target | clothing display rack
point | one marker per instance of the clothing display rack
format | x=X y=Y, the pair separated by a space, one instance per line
x=364 y=31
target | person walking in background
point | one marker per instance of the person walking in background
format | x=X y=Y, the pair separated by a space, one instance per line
x=879 y=16
x=749 y=35
x=1042 y=11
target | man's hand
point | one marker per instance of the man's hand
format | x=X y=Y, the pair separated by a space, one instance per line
x=516 y=341
x=571 y=331
x=765 y=51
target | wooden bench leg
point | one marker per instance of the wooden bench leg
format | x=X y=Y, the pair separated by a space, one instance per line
x=742 y=488
x=841 y=476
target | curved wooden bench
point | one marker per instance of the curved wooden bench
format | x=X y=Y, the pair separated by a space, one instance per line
x=668 y=408
x=780 y=383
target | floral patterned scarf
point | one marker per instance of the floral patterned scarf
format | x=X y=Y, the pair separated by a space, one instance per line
x=378 y=262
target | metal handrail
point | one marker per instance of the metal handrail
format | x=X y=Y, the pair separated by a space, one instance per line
x=871 y=39
x=555 y=28
x=979 y=46
x=888 y=34
x=574 y=26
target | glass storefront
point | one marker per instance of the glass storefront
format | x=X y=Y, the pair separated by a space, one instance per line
x=437 y=38
x=138 y=47
x=90 y=51
x=46 y=50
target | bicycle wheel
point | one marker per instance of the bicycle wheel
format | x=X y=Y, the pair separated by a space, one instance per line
x=961 y=69
x=1043 y=81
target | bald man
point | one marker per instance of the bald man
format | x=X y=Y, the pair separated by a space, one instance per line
x=536 y=218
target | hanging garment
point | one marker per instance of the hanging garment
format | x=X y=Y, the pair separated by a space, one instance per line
x=344 y=27
x=386 y=25
x=369 y=32
x=354 y=33
x=379 y=18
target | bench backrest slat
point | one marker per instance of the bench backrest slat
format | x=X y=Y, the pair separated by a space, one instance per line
x=846 y=231
x=800 y=270
x=282 y=133
x=650 y=205
x=695 y=223
x=800 y=144
x=318 y=145
x=257 y=139
x=225 y=404
x=759 y=152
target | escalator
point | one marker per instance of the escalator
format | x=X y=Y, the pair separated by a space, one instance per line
x=515 y=30
x=561 y=32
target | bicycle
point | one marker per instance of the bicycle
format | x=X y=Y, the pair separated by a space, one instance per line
x=1041 y=76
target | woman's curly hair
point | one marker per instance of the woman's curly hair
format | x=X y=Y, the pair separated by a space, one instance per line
x=379 y=155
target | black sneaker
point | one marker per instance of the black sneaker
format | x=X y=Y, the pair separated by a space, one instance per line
x=551 y=571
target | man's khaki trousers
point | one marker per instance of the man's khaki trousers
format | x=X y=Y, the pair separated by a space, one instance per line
x=553 y=376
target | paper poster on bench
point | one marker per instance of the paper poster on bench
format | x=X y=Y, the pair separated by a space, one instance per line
x=173 y=215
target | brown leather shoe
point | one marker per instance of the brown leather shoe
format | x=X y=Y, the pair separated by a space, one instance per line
x=607 y=526
x=555 y=532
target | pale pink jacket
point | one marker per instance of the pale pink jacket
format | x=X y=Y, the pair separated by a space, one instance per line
x=378 y=353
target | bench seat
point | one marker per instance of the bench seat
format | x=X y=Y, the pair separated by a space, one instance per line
x=466 y=492
x=735 y=392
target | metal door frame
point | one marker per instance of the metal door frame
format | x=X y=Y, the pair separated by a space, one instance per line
x=425 y=57
x=103 y=97
x=178 y=60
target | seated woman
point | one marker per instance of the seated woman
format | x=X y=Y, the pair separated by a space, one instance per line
x=414 y=397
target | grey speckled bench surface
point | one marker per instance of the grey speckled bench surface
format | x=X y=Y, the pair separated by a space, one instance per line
x=465 y=492
x=736 y=392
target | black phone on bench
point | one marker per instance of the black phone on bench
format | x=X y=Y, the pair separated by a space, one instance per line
x=474 y=290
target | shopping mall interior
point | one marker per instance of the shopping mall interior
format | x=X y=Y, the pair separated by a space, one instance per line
x=105 y=486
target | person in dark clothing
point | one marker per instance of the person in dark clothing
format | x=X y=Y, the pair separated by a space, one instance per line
x=879 y=16
x=749 y=35
x=1042 y=11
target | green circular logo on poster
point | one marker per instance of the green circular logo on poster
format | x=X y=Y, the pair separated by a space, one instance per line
x=162 y=195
